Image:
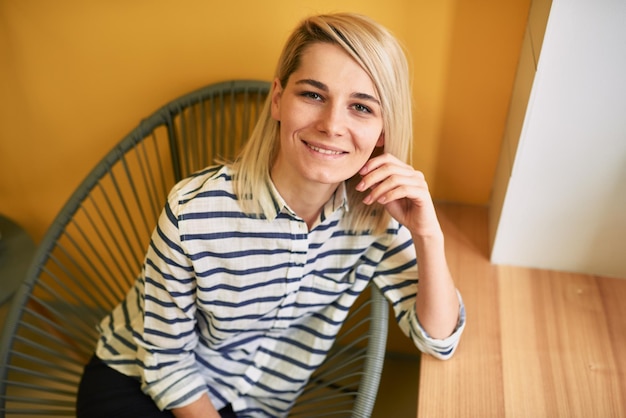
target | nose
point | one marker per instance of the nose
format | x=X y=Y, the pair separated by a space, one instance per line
x=332 y=120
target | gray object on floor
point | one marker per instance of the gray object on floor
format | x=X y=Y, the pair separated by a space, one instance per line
x=16 y=252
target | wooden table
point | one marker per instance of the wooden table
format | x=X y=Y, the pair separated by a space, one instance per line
x=537 y=343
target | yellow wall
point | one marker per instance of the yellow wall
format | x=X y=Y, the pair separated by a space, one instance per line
x=76 y=76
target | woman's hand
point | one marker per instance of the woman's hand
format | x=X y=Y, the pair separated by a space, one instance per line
x=404 y=193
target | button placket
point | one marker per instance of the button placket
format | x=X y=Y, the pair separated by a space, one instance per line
x=287 y=310
x=299 y=250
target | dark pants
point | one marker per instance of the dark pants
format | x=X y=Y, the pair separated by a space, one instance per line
x=104 y=393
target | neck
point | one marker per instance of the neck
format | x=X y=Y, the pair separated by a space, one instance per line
x=305 y=198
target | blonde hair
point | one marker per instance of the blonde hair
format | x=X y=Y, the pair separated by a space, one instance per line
x=378 y=52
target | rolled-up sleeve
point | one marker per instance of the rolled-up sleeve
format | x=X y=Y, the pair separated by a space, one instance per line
x=397 y=278
x=440 y=348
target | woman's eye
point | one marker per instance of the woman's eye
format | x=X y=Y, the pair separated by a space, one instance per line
x=311 y=95
x=362 y=109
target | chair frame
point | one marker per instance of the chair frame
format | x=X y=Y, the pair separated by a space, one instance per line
x=368 y=342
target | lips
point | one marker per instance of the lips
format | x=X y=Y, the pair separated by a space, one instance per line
x=323 y=150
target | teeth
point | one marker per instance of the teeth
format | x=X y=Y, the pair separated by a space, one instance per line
x=324 y=151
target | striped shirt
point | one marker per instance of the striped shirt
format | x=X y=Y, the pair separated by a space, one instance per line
x=246 y=308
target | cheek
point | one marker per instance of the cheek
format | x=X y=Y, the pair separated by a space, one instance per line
x=296 y=120
x=286 y=126
x=369 y=137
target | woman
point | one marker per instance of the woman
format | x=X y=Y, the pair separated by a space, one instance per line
x=253 y=266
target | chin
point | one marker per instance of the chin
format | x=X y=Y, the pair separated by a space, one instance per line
x=330 y=180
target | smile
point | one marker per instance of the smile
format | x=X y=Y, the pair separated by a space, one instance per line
x=323 y=150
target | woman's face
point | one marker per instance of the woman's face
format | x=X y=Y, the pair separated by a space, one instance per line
x=330 y=118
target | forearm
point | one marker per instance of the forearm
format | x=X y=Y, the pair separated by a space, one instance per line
x=436 y=304
x=201 y=408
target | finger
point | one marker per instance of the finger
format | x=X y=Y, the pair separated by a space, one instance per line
x=404 y=184
x=393 y=187
x=381 y=172
x=416 y=195
x=375 y=162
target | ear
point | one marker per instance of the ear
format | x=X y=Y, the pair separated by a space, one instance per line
x=381 y=140
x=277 y=91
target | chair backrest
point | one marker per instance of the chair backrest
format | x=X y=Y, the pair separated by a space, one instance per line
x=90 y=255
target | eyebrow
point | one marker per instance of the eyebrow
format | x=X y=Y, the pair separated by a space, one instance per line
x=324 y=87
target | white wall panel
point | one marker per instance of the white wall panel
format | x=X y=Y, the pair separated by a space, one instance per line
x=565 y=204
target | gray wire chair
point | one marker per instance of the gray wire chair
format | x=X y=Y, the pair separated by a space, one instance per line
x=95 y=247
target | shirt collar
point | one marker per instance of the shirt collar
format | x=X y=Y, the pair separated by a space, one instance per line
x=338 y=200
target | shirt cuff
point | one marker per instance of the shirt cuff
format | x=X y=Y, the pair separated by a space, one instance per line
x=442 y=348
x=177 y=389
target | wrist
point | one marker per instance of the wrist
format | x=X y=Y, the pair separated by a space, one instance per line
x=430 y=237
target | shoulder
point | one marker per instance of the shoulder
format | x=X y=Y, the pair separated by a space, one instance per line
x=206 y=190
x=201 y=183
x=393 y=231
